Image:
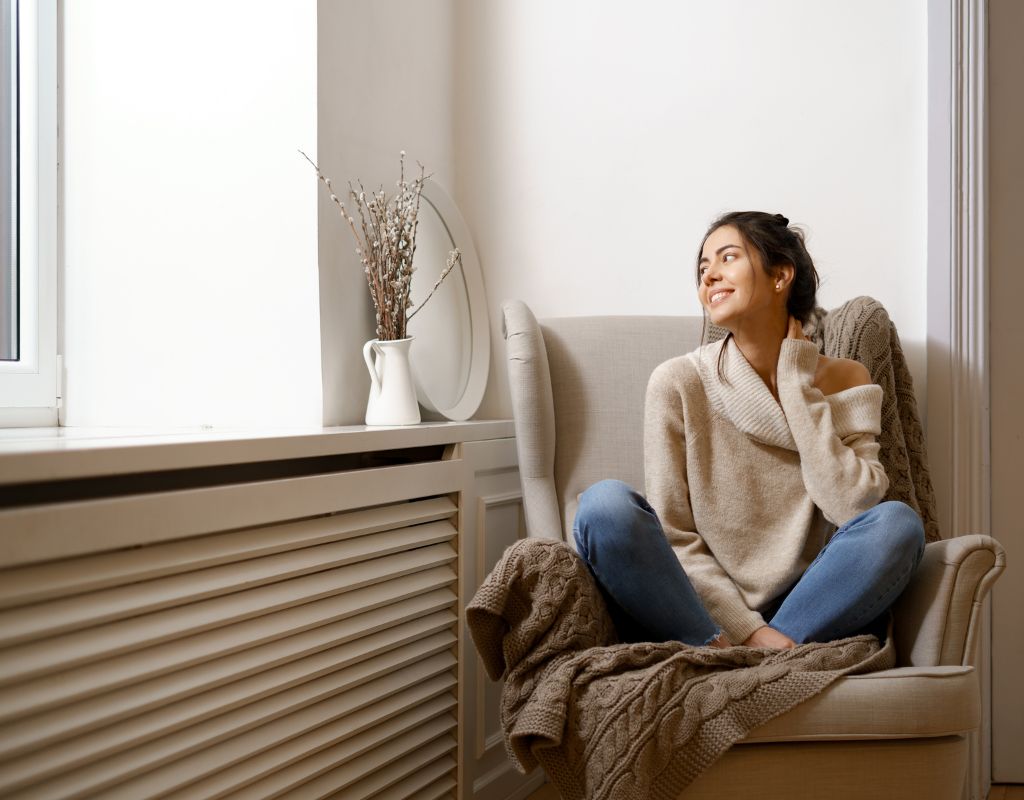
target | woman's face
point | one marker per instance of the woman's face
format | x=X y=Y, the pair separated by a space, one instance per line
x=732 y=282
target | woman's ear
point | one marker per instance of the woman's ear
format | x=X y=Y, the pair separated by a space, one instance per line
x=784 y=276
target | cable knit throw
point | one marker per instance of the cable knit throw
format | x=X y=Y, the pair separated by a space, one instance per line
x=611 y=721
x=861 y=329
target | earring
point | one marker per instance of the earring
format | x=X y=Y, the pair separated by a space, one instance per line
x=778 y=286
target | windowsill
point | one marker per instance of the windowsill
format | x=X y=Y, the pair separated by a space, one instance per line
x=31 y=455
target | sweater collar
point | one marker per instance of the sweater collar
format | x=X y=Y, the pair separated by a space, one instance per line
x=741 y=396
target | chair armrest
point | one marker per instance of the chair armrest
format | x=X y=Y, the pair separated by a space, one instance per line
x=937 y=617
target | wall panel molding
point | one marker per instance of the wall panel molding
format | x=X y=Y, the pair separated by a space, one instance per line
x=958 y=411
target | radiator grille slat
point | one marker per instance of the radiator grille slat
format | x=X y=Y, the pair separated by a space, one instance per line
x=50 y=691
x=80 y=611
x=298 y=658
x=443 y=788
x=31 y=584
x=385 y=765
x=293 y=765
x=165 y=765
x=240 y=706
x=358 y=637
x=432 y=781
x=49 y=655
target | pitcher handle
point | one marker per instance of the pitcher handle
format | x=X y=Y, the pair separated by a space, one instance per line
x=370 y=363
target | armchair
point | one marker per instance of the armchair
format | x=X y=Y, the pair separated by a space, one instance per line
x=578 y=387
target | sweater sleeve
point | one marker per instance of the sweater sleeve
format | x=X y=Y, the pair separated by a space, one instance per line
x=668 y=494
x=839 y=462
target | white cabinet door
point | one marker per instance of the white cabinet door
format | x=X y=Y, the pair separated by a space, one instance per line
x=492 y=519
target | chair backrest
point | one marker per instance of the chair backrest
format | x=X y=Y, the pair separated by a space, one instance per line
x=578 y=386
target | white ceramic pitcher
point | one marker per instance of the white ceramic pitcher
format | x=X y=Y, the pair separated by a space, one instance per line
x=392 y=392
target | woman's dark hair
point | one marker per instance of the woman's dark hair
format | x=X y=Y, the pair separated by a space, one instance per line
x=778 y=244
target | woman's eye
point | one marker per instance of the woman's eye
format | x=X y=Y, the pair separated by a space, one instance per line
x=728 y=257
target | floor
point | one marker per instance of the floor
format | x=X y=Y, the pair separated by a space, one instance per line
x=1003 y=792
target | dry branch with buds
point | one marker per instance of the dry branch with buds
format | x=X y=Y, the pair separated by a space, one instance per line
x=385 y=235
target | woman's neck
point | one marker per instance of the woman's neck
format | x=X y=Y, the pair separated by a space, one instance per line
x=760 y=342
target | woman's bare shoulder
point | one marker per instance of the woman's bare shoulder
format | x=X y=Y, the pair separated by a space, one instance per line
x=835 y=375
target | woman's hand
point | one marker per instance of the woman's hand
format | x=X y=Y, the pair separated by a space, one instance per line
x=769 y=638
x=795 y=330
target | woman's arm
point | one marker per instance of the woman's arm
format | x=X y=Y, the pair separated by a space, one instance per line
x=843 y=476
x=667 y=492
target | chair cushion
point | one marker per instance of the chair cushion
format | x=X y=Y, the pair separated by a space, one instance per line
x=899 y=703
x=925 y=768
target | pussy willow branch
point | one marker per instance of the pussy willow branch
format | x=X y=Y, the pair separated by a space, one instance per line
x=372 y=250
x=372 y=279
x=454 y=257
x=385 y=236
x=418 y=186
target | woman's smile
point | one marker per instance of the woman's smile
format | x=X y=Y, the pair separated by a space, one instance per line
x=719 y=295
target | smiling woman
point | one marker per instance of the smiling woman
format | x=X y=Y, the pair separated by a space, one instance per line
x=763 y=478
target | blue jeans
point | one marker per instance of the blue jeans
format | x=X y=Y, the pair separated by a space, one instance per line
x=849 y=586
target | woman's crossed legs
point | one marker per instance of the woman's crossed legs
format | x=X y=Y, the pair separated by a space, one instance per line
x=852 y=582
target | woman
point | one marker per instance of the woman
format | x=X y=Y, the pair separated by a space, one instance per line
x=756 y=450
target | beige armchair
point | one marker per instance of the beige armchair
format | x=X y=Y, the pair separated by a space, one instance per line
x=578 y=388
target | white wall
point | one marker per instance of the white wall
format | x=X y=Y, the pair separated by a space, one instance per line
x=385 y=85
x=587 y=144
x=190 y=240
x=594 y=143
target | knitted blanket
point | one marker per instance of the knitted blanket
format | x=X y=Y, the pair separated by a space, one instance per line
x=861 y=329
x=610 y=721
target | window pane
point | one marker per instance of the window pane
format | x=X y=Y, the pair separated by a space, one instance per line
x=8 y=180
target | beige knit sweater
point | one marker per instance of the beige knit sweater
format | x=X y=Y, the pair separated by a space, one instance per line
x=748 y=490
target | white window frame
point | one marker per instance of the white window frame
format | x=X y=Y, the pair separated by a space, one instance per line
x=29 y=387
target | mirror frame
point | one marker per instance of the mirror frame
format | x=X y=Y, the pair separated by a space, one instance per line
x=480 y=329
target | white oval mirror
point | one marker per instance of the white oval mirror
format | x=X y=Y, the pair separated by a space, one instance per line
x=451 y=351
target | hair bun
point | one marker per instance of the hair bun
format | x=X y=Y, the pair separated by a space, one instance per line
x=782 y=220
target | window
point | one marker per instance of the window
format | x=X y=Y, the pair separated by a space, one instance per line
x=9 y=180
x=28 y=213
